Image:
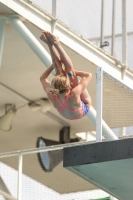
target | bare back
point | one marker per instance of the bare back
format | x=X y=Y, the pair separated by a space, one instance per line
x=69 y=106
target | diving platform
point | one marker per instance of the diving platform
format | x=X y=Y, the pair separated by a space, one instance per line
x=108 y=165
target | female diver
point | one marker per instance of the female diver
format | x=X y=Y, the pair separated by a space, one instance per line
x=67 y=94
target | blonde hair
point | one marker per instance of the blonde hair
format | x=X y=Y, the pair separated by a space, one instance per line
x=60 y=84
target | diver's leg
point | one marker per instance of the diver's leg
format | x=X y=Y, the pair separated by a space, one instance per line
x=69 y=69
x=54 y=55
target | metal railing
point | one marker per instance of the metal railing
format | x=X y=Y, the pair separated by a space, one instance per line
x=21 y=154
x=97 y=19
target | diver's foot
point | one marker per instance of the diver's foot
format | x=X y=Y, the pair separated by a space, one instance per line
x=44 y=38
x=52 y=38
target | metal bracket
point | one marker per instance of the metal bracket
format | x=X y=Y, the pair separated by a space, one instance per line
x=10 y=107
x=29 y=1
x=105 y=44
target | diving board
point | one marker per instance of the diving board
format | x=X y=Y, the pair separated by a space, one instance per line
x=108 y=165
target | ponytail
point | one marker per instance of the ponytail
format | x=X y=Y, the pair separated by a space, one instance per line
x=54 y=92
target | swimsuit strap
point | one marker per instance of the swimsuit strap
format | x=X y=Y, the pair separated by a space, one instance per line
x=63 y=104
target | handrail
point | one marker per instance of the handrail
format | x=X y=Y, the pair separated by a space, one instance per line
x=42 y=149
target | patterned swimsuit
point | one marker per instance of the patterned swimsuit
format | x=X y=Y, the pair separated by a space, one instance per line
x=82 y=111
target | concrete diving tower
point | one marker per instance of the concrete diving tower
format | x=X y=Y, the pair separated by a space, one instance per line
x=108 y=165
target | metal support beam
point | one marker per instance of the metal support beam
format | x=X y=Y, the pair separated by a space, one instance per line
x=99 y=81
x=20 y=162
x=2 y=31
x=30 y=40
x=106 y=131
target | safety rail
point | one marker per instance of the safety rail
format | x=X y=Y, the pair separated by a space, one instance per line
x=106 y=23
x=20 y=156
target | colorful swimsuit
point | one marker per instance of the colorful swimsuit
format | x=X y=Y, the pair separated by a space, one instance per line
x=82 y=111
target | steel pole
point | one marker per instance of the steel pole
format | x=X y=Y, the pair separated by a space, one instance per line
x=20 y=161
x=99 y=83
x=124 y=44
x=106 y=131
x=113 y=26
x=124 y=37
x=2 y=31
x=30 y=40
x=102 y=24
x=54 y=8
x=54 y=13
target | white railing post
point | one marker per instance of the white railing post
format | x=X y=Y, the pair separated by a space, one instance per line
x=102 y=42
x=54 y=13
x=124 y=44
x=106 y=131
x=20 y=163
x=2 y=31
x=113 y=27
x=122 y=131
x=102 y=24
x=124 y=37
x=99 y=83
x=54 y=8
